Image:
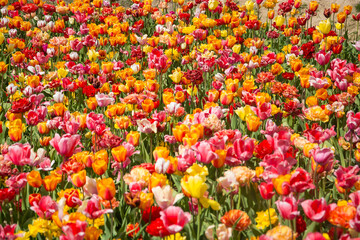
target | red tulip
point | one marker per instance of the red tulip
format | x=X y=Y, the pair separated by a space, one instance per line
x=317 y=210
x=266 y=190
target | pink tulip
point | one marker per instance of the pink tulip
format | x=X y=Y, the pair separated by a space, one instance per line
x=45 y=208
x=263 y=111
x=315 y=236
x=186 y=159
x=8 y=232
x=347 y=176
x=17 y=182
x=93 y=208
x=174 y=219
x=357 y=45
x=323 y=58
x=104 y=100
x=19 y=154
x=317 y=210
x=93 y=119
x=244 y=148
x=355 y=198
x=66 y=144
x=322 y=156
x=288 y=208
x=355 y=223
x=205 y=153
x=41 y=58
x=301 y=181
x=76 y=45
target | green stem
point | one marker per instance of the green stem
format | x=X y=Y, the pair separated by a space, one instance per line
x=239 y=198
x=198 y=222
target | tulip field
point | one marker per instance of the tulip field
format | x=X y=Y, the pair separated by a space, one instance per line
x=174 y=120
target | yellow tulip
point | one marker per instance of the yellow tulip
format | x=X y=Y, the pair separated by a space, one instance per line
x=213 y=4
x=62 y=72
x=92 y=54
x=244 y=112
x=249 y=5
x=324 y=26
x=279 y=20
x=195 y=186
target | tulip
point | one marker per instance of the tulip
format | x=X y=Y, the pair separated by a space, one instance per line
x=288 y=208
x=93 y=233
x=335 y=7
x=194 y=186
x=244 y=148
x=313 y=6
x=15 y=134
x=213 y=4
x=3 y=67
x=133 y=138
x=266 y=190
x=341 y=17
x=317 y=210
x=282 y=184
x=34 y=179
x=322 y=156
x=253 y=123
x=99 y=166
x=165 y=196
x=323 y=58
x=324 y=26
x=119 y=153
x=50 y=182
x=93 y=208
x=279 y=20
x=147 y=105
x=66 y=144
x=34 y=198
x=226 y=97
x=79 y=178
x=174 y=219
x=106 y=188
x=18 y=57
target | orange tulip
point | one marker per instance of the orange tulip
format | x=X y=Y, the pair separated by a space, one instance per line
x=226 y=97
x=313 y=6
x=50 y=182
x=119 y=153
x=107 y=67
x=99 y=166
x=15 y=134
x=42 y=128
x=18 y=57
x=157 y=179
x=106 y=188
x=179 y=132
x=282 y=184
x=79 y=178
x=253 y=123
x=147 y=105
x=133 y=138
x=218 y=163
x=91 y=103
x=94 y=68
x=3 y=67
x=34 y=179
x=45 y=141
x=161 y=152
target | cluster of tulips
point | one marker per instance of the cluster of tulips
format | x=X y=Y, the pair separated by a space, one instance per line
x=199 y=119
